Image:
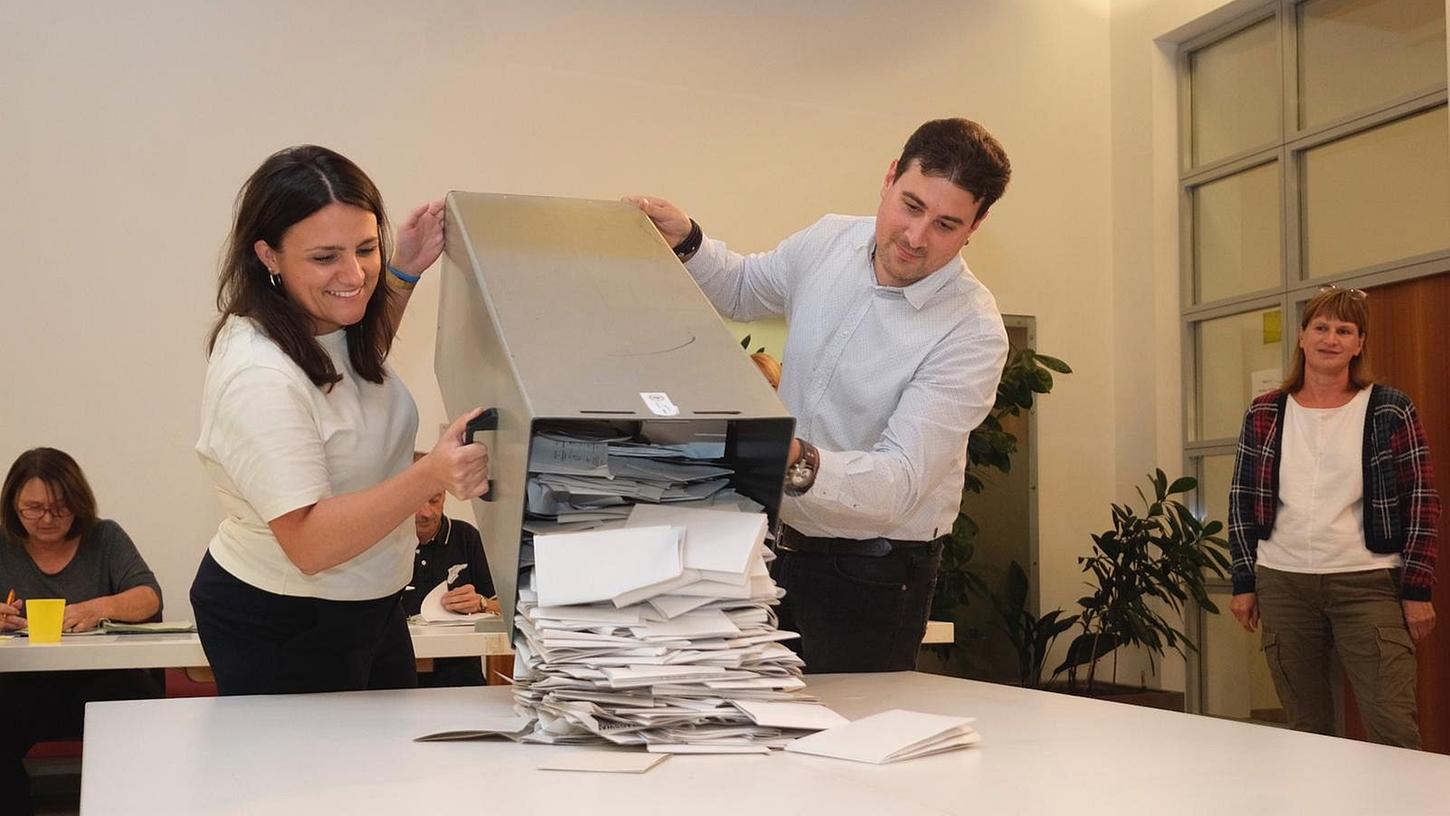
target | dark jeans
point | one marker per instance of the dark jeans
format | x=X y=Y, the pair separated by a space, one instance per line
x=857 y=613
x=258 y=642
x=49 y=706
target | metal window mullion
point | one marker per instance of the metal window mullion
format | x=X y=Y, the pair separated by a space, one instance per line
x=1362 y=122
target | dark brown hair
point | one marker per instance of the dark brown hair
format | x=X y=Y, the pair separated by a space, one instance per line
x=63 y=476
x=1347 y=305
x=965 y=153
x=291 y=185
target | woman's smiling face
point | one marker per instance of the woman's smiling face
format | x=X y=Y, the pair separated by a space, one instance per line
x=329 y=263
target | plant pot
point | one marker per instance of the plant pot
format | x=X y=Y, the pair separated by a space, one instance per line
x=1132 y=695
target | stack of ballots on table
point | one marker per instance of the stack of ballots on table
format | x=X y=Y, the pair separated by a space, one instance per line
x=660 y=632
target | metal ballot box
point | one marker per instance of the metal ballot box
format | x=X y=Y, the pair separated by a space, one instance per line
x=558 y=310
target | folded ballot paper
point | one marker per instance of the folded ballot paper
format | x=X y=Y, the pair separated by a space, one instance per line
x=890 y=736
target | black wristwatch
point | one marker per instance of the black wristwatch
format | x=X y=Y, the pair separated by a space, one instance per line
x=684 y=249
x=800 y=476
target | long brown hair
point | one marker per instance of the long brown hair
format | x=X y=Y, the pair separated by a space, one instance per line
x=291 y=185
x=63 y=476
x=1348 y=306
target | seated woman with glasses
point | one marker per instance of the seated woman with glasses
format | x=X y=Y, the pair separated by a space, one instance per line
x=1332 y=527
x=52 y=545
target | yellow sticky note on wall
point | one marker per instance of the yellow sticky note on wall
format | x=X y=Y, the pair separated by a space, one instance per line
x=1273 y=327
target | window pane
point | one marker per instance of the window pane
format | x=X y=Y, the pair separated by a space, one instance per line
x=1236 y=234
x=1235 y=93
x=1236 y=681
x=1359 y=54
x=1237 y=357
x=1215 y=473
x=1378 y=196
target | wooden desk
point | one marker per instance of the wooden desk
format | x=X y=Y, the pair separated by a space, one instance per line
x=1042 y=753
x=184 y=650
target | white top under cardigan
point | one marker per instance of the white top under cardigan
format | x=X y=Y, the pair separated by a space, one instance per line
x=272 y=442
x=1319 y=526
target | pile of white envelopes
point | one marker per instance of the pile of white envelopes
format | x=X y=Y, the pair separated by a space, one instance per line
x=658 y=633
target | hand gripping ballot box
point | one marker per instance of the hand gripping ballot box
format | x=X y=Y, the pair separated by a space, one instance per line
x=564 y=313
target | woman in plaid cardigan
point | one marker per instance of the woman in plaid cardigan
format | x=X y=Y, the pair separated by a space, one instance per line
x=1332 y=528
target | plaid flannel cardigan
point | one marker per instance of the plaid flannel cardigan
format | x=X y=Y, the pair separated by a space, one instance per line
x=1401 y=507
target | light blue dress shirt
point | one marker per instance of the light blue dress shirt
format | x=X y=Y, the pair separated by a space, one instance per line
x=887 y=382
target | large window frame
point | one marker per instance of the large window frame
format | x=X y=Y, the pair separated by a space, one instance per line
x=1294 y=287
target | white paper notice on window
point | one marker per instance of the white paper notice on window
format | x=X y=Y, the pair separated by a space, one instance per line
x=1265 y=380
x=659 y=404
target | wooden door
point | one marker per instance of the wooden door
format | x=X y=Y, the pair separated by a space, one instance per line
x=1409 y=348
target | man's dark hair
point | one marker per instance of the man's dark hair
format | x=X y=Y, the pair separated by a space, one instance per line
x=291 y=185
x=62 y=476
x=962 y=151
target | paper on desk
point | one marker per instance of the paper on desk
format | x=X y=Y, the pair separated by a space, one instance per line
x=506 y=727
x=604 y=761
x=802 y=716
x=889 y=737
x=156 y=627
x=432 y=609
x=581 y=568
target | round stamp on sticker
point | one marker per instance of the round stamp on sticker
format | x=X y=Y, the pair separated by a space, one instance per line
x=658 y=402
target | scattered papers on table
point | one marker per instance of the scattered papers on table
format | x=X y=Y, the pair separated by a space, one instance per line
x=890 y=736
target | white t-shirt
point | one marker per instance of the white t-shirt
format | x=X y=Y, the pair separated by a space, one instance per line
x=272 y=442
x=1319 y=524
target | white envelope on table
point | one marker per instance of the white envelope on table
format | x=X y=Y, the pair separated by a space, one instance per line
x=890 y=736
x=595 y=566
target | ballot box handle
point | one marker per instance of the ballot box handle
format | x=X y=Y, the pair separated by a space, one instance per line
x=486 y=421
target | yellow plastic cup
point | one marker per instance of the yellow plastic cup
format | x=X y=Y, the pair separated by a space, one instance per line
x=44 y=616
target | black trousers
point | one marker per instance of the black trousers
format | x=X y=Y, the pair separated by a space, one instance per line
x=453 y=671
x=49 y=706
x=857 y=613
x=259 y=642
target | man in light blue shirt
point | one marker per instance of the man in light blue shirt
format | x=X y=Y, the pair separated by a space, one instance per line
x=893 y=355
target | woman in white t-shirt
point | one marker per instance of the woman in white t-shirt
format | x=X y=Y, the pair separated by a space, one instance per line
x=308 y=436
x=1332 y=526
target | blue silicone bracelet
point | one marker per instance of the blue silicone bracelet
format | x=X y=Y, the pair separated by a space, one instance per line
x=403 y=276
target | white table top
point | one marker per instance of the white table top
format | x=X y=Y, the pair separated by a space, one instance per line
x=1041 y=753
x=184 y=650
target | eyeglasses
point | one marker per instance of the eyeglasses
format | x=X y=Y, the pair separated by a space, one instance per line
x=1354 y=294
x=36 y=512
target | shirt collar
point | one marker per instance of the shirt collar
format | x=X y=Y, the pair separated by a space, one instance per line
x=440 y=536
x=920 y=293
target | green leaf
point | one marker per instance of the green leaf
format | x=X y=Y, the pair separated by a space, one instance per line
x=1053 y=363
x=1182 y=484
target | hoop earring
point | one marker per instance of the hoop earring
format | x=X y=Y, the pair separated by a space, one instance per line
x=275 y=279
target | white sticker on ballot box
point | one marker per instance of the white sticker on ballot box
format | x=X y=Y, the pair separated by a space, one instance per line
x=659 y=403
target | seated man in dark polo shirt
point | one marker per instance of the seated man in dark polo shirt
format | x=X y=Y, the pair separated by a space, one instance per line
x=442 y=543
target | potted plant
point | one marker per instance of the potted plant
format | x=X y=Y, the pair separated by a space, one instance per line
x=1142 y=570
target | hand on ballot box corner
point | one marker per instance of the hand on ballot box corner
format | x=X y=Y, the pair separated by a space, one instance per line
x=672 y=222
x=420 y=239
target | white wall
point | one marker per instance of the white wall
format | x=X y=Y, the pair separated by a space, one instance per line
x=129 y=127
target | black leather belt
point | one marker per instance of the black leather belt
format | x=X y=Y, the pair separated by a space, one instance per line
x=873 y=547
